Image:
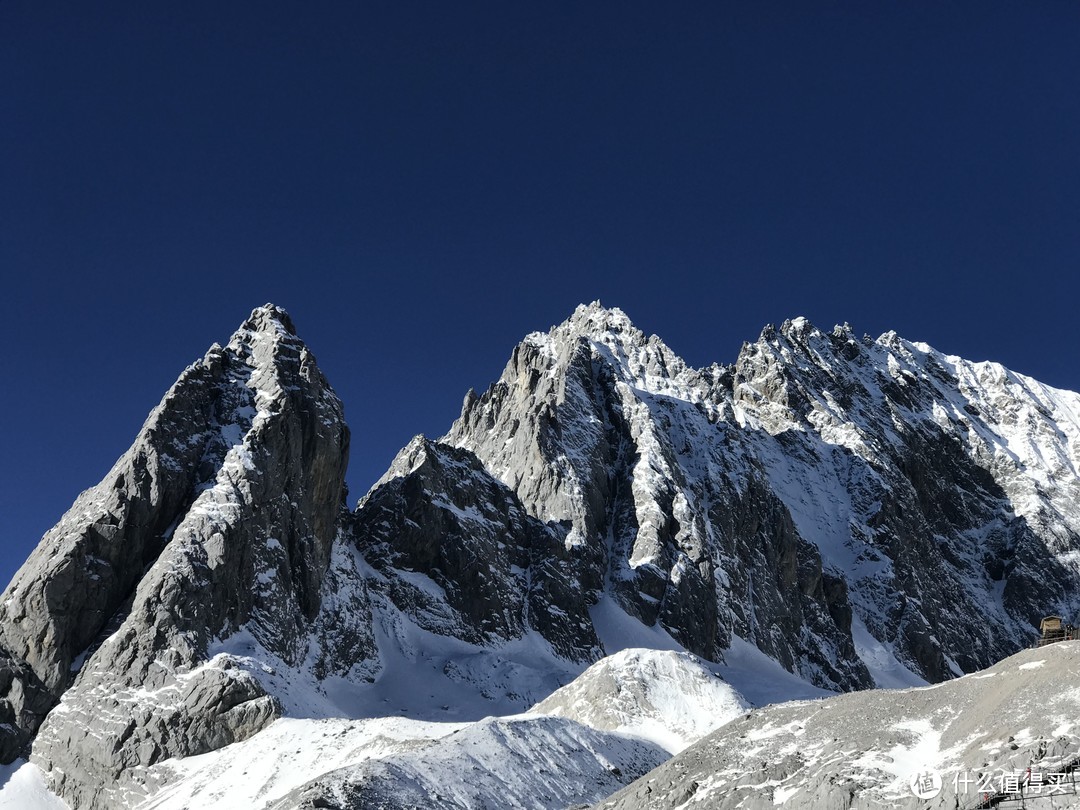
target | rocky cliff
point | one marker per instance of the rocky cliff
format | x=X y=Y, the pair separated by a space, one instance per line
x=500 y=571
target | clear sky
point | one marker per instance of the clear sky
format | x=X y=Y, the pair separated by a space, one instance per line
x=421 y=184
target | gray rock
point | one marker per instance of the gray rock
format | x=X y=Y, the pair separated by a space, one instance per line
x=936 y=520
x=85 y=567
x=24 y=702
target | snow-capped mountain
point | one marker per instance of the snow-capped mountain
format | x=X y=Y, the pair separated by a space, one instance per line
x=827 y=513
x=220 y=518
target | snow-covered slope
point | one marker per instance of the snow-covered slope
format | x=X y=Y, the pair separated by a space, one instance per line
x=862 y=750
x=513 y=762
x=623 y=715
x=23 y=787
x=669 y=698
x=288 y=754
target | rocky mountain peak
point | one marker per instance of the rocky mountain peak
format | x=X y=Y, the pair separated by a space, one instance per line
x=799 y=337
x=405 y=462
x=219 y=517
x=595 y=334
x=798 y=341
x=612 y=432
x=839 y=436
x=798 y=327
x=268 y=318
x=594 y=318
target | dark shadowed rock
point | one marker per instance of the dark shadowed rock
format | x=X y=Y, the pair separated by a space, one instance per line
x=438 y=512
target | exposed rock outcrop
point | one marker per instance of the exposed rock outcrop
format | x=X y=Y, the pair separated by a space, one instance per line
x=499 y=570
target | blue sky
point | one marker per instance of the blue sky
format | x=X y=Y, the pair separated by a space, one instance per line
x=421 y=184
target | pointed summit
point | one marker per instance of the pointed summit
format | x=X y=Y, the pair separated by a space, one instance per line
x=800 y=331
x=595 y=318
x=220 y=515
x=797 y=326
x=269 y=318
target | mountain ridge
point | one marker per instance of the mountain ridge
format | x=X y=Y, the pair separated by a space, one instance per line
x=793 y=381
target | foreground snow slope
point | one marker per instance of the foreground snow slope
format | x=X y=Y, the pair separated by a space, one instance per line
x=622 y=716
x=23 y=787
x=669 y=698
x=540 y=763
x=860 y=750
x=289 y=753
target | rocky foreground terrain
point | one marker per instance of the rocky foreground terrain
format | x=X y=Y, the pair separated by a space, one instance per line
x=982 y=734
x=827 y=514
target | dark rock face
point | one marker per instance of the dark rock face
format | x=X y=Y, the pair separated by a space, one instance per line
x=220 y=517
x=24 y=702
x=439 y=513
